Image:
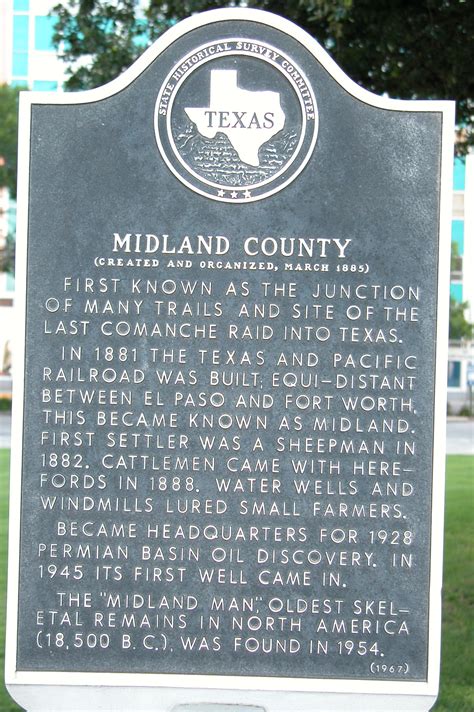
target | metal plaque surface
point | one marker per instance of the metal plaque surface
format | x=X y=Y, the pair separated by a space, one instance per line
x=229 y=433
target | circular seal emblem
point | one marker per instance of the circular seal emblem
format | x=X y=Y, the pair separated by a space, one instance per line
x=236 y=120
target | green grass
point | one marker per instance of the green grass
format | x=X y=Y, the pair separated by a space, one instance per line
x=457 y=680
x=457 y=688
x=6 y=703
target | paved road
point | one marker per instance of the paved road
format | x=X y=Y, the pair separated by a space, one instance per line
x=5 y=425
x=460 y=440
x=460 y=435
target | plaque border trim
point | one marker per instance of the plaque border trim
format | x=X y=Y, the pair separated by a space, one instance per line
x=55 y=688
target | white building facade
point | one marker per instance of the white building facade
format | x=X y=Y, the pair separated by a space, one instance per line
x=461 y=353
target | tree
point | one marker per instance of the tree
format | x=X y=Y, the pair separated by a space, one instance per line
x=8 y=137
x=459 y=327
x=405 y=48
x=107 y=35
x=8 y=162
x=7 y=255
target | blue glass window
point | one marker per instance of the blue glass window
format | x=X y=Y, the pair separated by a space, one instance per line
x=44 y=28
x=20 y=83
x=21 y=5
x=142 y=40
x=459 y=173
x=457 y=235
x=10 y=282
x=456 y=291
x=20 y=33
x=454 y=374
x=44 y=85
x=20 y=64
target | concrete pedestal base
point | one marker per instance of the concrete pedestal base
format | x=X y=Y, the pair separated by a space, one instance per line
x=39 y=698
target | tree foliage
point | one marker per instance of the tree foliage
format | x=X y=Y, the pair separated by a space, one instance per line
x=407 y=49
x=459 y=327
x=8 y=162
x=7 y=255
x=8 y=137
x=99 y=39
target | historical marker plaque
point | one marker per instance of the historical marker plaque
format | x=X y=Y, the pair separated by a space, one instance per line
x=230 y=464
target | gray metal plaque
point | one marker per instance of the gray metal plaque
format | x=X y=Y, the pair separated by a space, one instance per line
x=232 y=261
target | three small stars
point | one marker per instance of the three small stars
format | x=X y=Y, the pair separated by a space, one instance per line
x=234 y=194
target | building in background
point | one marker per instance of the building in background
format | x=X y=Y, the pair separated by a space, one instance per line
x=29 y=60
x=461 y=353
x=28 y=57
